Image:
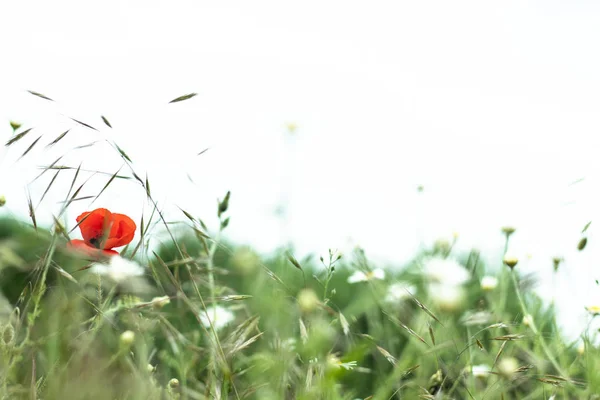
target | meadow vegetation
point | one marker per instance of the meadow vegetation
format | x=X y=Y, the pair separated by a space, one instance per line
x=199 y=317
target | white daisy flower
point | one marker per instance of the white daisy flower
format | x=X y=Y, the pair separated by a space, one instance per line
x=489 y=283
x=219 y=316
x=447 y=297
x=446 y=271
x=481 y=370
x=118 y=269
x=361 y=276
x=398 y=292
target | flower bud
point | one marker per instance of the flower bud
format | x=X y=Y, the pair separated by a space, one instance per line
x=528 y=320
x=2 y=200
x=174 y=383
x=127 y=338
x=510 y=261
x=508 y=230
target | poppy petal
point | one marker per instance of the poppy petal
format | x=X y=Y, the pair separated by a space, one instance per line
x=93 y=223
x=122 y=231
x=82 y=247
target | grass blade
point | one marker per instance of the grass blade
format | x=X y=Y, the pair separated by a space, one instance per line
x=62 y=135
x=30 y=147
x=182 y=98
x=106 y=121
x=40 y=95
x=18 y=137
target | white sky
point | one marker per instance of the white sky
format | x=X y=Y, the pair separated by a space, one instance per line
x=493 y=107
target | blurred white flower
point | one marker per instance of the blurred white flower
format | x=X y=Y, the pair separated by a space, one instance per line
x=445 y=271
x=508 y=366
x=360 y=276
x=447 y=297
x=219 y=316
x=118 y=269
x=481 y=370
x=397 y=292
x=489 y=283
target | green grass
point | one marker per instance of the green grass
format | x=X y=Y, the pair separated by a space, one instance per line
x=62 y=339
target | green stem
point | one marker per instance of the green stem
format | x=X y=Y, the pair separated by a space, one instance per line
x=535 y=329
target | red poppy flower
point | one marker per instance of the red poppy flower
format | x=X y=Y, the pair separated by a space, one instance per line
x=102 y=231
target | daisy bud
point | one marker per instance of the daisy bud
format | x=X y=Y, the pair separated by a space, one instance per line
x=174 y=383
x=2 y=201
x=151 y=368
x=508 y=230
x=510 y=261
x=307 y=300
x=127 y=338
